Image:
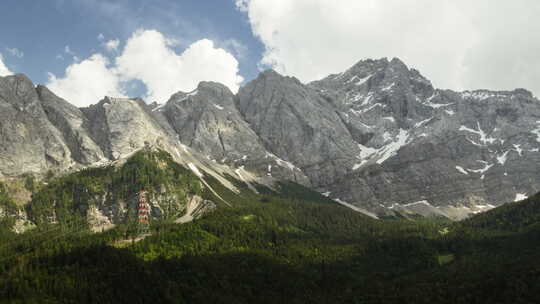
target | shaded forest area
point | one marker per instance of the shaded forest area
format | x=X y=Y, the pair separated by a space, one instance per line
x=288 y=245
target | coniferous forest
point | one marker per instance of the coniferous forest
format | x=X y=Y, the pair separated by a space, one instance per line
x=282 y=245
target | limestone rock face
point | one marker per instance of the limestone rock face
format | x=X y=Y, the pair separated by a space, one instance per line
x=423 y=144
x=378 y=137
x=72 y=123
x=208 y=121
x=122 y=125
x=299 y=126
x=29 y=142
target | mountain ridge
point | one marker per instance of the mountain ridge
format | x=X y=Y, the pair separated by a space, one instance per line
x=376 y=135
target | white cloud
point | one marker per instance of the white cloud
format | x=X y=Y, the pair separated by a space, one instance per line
x=4 y=71
x=457 y=44
x=112 y=45
x=149 y=57
x=87 y=82
x=15 y=52
x=100 y=37
x=236 y=47
x=68 y=50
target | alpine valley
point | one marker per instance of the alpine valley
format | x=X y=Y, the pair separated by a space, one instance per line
x=367 y=186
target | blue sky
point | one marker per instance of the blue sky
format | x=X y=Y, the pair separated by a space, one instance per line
x=156 y=48
x=41 y=30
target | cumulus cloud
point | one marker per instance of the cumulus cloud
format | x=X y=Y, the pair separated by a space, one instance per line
x=15 y=52
x=112 y=45
x=68 y=50
x=87 y=82
x=100 y=37
x=4 y=71
x=149 y=57
x=457 y=44
x=236 y=47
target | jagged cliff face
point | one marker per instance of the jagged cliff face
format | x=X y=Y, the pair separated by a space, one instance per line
x=121 y=125
x=437 y=146
x=209 y=121
x=72 y=124
x=298 y=125
x=373 y=137
x=28 y=140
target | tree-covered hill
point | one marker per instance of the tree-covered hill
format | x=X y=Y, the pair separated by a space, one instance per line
x=517 y=216
x=286 y=245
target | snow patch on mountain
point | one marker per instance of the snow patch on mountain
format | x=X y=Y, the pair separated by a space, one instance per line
x=518 y=149
x=360 y=81
x=363 y=80
x=419 y=124
x=388 y=88
x=193 y=93
x=355 y=208
x=428 y=102
x=502 y=159
x=392 y=148
x=480 y=95
x=462 y=170
x=484 y=138
x=483 y=170
x=362 y=111
x=423 y=202
x=366 y=152
x=282 y=163
x=385 y=152
x=520 y=197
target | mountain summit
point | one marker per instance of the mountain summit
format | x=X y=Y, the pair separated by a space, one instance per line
x=378 y=136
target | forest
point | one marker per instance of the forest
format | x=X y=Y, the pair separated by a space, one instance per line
x=283 y=245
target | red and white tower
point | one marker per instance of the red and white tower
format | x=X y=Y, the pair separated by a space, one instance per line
x=143 y=212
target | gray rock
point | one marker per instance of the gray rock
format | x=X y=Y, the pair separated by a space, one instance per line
x=208 y=121
x=378 y=136
x=71 y=122
x=29 y=143
x=121 y=126
x=299 y=126
x=448 y=148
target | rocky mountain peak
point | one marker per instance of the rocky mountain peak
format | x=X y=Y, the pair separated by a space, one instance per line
x=214 y=86
x=523 y=92
x=270 y=73
x=272 y=76
x=19 y=82
x=29 y=142
x=19 y=91
x=374 y=136
x=121 y=101
x=488 y=95
x=375 y=77
x=181 y=96
x=43 y=90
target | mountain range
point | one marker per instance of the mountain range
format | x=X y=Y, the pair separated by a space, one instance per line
x=378 y=137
